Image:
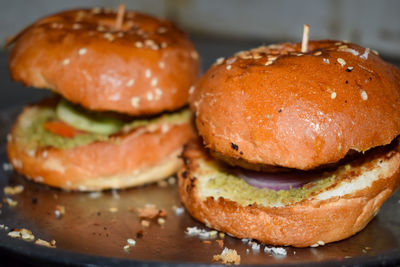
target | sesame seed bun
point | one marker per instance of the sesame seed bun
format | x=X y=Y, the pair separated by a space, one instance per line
x=140 y=156
x=329 y=214
x=276 y=106
x=145 y=67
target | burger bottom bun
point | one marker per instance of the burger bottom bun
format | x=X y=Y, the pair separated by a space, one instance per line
x=338 y=212
x=138 y=157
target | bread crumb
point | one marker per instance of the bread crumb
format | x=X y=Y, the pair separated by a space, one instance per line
x=13 y=190
x=228 y=256
x=113 y=209
x=161 y=221
x=131 y=242
x=220 y=243
x=276 y=251
x=204 y=234
x=126 y=248
x=145 y=223
x=60 y=211
x=10 y=202
x=171 y=180
x=41 y=242
x=178 y=210
x=95 y=194
x=23 y=233
x=206 y=242
x=221 y=235
x=162 y=183
x=7 y=166
x=150 y=211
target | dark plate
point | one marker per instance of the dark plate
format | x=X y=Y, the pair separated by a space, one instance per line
x=89 y=233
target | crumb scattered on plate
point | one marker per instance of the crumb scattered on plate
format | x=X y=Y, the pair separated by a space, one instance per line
x=41 y=242
x=13 y=190
x=228 y=256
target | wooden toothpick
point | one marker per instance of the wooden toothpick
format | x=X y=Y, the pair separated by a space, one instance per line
x=120 y=16
x=304 y=43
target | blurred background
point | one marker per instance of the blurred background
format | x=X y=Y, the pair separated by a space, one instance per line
x=374 y=24
x=221 y=28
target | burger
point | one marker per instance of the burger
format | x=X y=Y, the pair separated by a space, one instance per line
x=296 y=148
x=118 y=116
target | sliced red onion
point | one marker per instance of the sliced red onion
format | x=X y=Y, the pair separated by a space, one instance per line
x=275 y=181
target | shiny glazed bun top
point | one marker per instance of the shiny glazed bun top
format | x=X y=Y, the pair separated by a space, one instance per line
x=274 y=105
x=146 y=66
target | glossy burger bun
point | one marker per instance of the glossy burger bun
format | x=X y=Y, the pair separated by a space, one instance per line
x=138 y=157
x=276 y=106
x=145 y=67
x=323 y=218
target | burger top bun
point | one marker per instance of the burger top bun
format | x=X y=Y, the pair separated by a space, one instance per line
x=145 y=66
x=277 y=106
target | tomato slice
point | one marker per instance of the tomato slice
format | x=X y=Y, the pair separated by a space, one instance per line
x=61 y=128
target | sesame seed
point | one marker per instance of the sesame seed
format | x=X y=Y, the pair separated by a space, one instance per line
x=219 y=61
x=191 y=89
x=109 y=36
x=342 y=47
x=149 y=96
x=76 y=26
x=147 y=74
x=341 y=61
x=149 y=42
x=364 y=95
x=96 y=10
x=120 y=34
x=375 y=52
x=350 y=50
x=228 y=67
x=82 y=51
x=161 y=64
x=333 y=95
x=161 y=221
x=194 y=55
x=154 y=82
x=164 y=45
x=126 y=247
x=326 y=60
x=135 y=101
x=162 y=30
x=317 y=53
x=66 y=61
x=100 y=28
x=349 y=69
x=269 y=62
x=130 y=82
x=365 y=55
x=139 y=44
x=158 y=93
x=338 y=43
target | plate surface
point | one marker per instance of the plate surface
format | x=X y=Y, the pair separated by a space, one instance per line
x=95 y=228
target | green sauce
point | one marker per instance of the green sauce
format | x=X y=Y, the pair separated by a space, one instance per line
x=32 y=134
x=222 y=183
